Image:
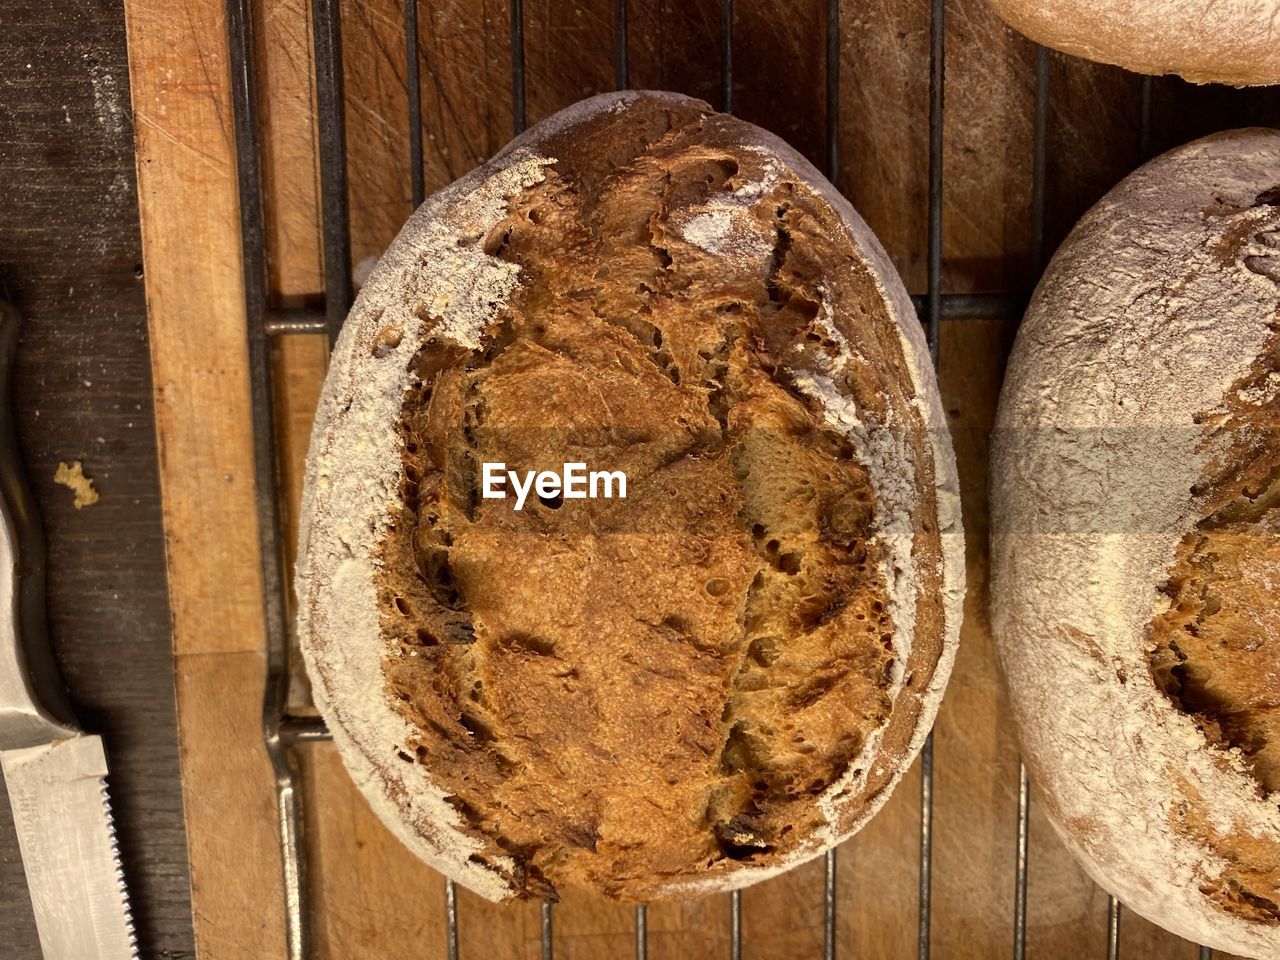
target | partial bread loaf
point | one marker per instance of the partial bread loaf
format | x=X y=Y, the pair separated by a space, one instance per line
x=724 y=673
x=1135 y=588
x=1204 y=41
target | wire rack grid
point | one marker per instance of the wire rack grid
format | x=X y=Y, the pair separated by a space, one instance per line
x=283 y=730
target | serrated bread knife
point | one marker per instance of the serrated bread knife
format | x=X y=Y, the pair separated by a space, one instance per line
x=55 y=774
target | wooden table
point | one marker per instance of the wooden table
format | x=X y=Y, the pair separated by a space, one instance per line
x=370 y=899
x=70 y=258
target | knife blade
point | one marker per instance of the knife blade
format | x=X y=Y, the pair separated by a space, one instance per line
x=55 y=775
x=67 y=838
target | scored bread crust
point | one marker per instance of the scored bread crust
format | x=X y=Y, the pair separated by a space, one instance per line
x=1139 y=401
x=1204 y=41
x=354 y=476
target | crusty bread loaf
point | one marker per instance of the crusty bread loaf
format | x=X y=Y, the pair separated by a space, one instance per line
x=1204 y=41
x=1136 y=541
x=701 y=684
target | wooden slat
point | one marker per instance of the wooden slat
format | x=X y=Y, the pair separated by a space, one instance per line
x=352 y=861
x=191 y=252
x=370 y=898
x=976 y=765
x=81 y=391
x=236 y=896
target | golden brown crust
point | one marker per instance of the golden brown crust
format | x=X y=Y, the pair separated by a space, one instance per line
x=635 y=282
x=1204 y=41
x=621 y=694
x=1215 y=653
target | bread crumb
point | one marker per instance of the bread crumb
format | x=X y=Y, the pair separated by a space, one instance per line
x=72 y=477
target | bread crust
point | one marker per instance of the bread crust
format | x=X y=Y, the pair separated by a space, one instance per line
x=431 y=291
x=1234 y=42
x=1139 y=402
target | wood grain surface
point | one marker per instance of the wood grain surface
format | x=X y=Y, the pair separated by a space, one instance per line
x=191 y=252
x=368 y=897
x=70 y=260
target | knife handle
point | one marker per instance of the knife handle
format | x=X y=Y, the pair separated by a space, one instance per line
x=27 y=630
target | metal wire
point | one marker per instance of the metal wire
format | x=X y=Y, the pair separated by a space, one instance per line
x=1144 y=117
x=735 y=925
x=413 y=80
x=277 y=321
x=829 y=907
x=1020 y=870
x=726 y=56
x=295 y=729
x=937 y=79
x=621 y=51
x=517 y=66
x=1113 y=928
x=548 y=933
x=926 y=847
x=642 y=932
x=451 y=920
x=1039 y=153
x=326 y=31
x=833 y=91
x=972 y=306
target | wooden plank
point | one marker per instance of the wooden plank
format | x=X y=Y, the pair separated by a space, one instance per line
x=553 y=79
x=295 y=263
x=780 y=72
x=236 y=893
x=977 y=771
x=675 y=45
x=370 y=898
x=191 y=251
x=884 y=125
x=466 y=82
x=987 y=154
x=356 y=912
x=69 y=262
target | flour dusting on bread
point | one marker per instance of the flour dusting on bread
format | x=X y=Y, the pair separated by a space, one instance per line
x=354 y=460
x=1125 y=426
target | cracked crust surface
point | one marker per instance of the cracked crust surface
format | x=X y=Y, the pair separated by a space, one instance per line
x=1204 y=41
x=690 y=688
x=1136 y=541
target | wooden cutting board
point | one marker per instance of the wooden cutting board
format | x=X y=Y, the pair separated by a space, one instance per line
x=369 y=898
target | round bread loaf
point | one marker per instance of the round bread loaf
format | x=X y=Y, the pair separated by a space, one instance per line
x=682 y=690
x=1136 y=541
x=1205 y=41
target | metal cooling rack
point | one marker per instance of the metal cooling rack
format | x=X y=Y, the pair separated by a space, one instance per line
x=282 y=730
